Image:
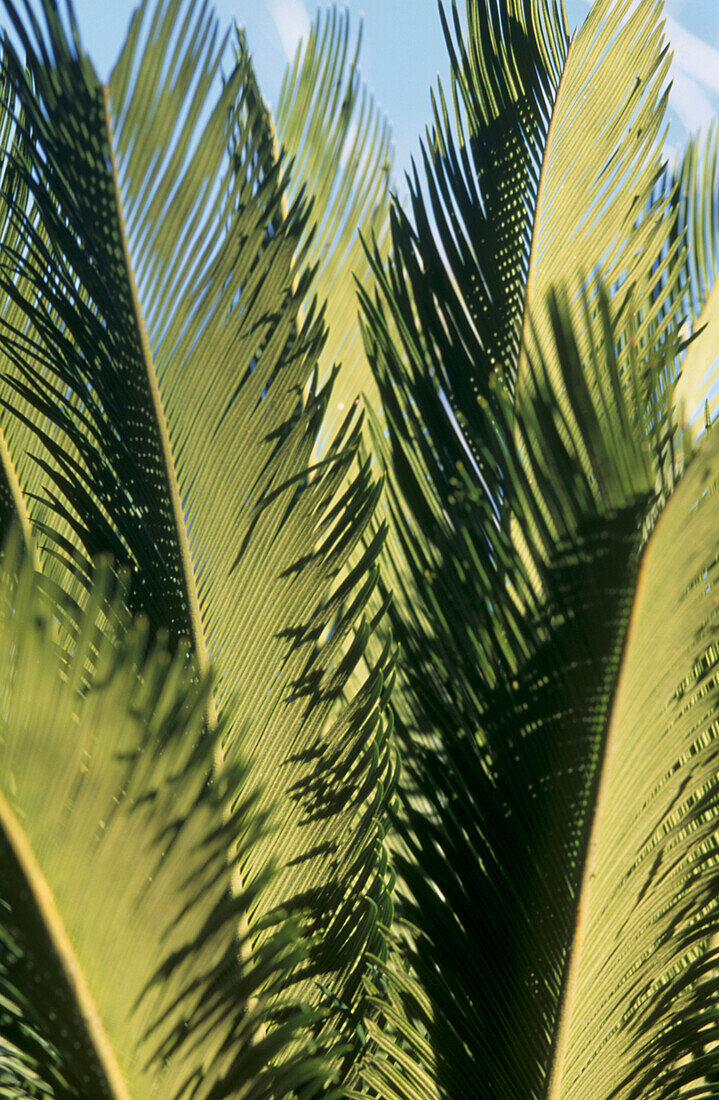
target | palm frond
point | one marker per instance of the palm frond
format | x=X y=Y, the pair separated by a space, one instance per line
x=530 y=451
x=640 y=1004
x=13 y=503
x=339 y=148
x=542 y=171
x=117 y=893
x=697 y=183
x=509 y=674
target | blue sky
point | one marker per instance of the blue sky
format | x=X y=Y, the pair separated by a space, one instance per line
x=403 y=52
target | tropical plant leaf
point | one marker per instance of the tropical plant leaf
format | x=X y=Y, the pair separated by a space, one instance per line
x=340 y=153
x=697 y=182
x=529 y=453
x=13 y=505
x=543 y=172
x=183 y=412
x=117 y=898
x=639 y=996
x=639 y=1014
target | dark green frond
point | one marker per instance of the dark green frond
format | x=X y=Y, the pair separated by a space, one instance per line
x=13 y=503
x=511 y=655
x=534 y=174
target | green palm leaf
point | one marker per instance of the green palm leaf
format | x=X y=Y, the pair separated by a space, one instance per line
x=117 y=892
x=339 y=147
x=642 y=1022
x=13 y=504
x=175 y=384
x=339 y=154
x=698 y=220
x=543 y=171
x=509 y=676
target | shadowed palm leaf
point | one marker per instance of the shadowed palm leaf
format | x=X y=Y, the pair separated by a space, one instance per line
x=530 y=451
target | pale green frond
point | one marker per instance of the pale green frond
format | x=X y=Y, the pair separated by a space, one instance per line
x=121 y=972
x=697 y=182
x=695 y=177
x=602 y=158
x=339 y=149
x=643 y=989
x=338 y=152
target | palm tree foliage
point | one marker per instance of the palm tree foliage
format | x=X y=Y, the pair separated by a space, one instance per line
x=531 y=452
x=87 y=908
x=187 y=485
x=217 y=509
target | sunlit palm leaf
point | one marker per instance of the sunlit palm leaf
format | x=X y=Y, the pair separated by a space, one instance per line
x=529 y=452
x=339 y=146
x=116 y=881
x=509 y=680
x=698 y=207
x=640 y=1015
x=639 y=992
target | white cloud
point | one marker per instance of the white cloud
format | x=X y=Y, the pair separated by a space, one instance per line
x=694 y=56
x=293 y=23
x=691 y=103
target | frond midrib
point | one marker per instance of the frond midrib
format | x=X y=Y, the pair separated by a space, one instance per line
x=67 y=972
x=196 y=629
x=197 y=633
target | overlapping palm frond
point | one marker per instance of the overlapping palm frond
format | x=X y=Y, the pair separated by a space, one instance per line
x=116 y=832
x=13 y=193
x=171 y=262
x=530 y=451
x=640 y=1017
x=166 y=375
x=508 y=680
x=545 y=169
